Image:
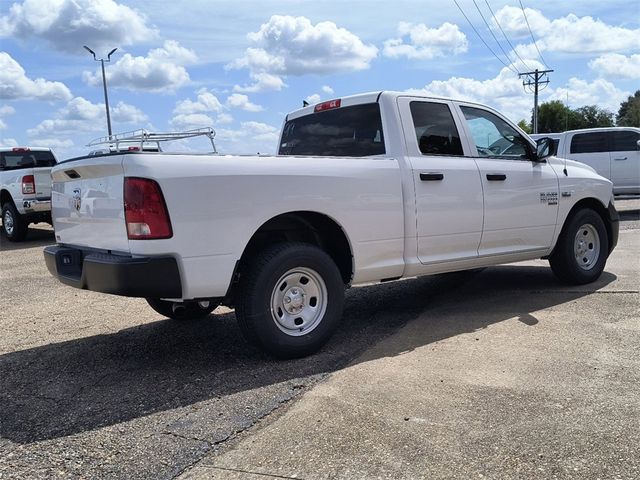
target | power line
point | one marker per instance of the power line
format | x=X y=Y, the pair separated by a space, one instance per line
x=482 y=39
x=493 y=15
x=532 y=38
x=492 y=34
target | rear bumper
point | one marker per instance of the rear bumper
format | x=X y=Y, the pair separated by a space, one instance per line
x=156 y=277
x=37 y=205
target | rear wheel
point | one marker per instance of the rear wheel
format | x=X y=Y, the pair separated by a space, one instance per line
x=290 y=299
x=582 y=249
x=189 y=310
x=14 y=225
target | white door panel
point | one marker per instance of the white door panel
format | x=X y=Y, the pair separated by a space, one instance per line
x=520 y=211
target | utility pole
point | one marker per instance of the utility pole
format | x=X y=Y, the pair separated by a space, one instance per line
x=104 y=83
x=535 y=78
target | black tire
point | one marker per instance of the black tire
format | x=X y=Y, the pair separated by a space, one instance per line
x=189 y=310
x=568 y=261
x=14 y=225
x=265 y=278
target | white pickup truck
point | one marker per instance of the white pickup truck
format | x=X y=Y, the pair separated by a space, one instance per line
x=367 y=188
x=25 y=189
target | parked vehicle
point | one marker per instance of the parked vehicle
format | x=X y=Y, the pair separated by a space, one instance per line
x=613 y=152
x=25 y=189
x=368 y=188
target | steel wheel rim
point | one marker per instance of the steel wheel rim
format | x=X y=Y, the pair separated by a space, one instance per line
x=299 y=301
x=586 y=246
x=7 y=221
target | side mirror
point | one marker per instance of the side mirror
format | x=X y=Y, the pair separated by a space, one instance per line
x=545 y=148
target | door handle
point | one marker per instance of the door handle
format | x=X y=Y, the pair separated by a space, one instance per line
x=622 y=158
x=496 y=177
x=431 y=177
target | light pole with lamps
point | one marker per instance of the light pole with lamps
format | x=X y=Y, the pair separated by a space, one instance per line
x=104 y=82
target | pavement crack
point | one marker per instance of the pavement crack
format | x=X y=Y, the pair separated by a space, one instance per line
x=272 y=475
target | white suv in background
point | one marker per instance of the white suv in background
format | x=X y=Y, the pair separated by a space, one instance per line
x=25 y=189
x=613 y=152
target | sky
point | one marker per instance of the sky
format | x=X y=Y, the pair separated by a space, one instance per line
x=240 y=66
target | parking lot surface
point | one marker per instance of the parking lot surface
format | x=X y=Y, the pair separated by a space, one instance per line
x=499 y=373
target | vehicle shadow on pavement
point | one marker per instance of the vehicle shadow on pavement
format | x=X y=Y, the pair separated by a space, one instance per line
x=36 y=237
x=66 y=388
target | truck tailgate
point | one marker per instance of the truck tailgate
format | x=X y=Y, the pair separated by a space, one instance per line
x=42 y=178
x=87 y=203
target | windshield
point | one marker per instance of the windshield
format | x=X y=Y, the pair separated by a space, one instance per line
x=349 y=131
x=26 y=159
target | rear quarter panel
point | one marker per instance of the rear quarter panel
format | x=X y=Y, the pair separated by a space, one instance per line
x=216 y=204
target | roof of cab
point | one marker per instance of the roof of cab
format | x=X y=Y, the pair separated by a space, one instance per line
x=18 y=148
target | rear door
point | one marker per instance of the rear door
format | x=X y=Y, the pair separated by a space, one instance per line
x=625 y=161
x=87 y=203
x=591 y=148
x=448 y=192
x=520 y=195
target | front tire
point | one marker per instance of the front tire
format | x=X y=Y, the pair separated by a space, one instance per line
x=190 y=310
x=582 y=249
x=14 y=225
x=290 y=299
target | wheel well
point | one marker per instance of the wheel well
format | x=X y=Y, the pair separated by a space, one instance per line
x=5 y=197
x=308 y=227
x=601 y=210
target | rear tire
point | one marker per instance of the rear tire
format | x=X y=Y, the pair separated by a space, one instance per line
x=14 y=225
x=582 y=249
x=289 y=300
x=189 y=310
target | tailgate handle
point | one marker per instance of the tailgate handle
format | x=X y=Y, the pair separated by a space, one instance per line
x=431 y=177
x=72 y=174
x=621 y=158
x=496 y=177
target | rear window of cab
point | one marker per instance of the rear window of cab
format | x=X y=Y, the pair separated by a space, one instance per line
x=26 y=159
x=354 y=131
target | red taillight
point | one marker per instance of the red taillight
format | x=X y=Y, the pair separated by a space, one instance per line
x=327 y=105
x=20 y=149
x=133 y=149
x=28 y=185
x=145 y=212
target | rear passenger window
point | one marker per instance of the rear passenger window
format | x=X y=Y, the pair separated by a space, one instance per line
x=435 y=129
x=625 y=141
x=589 y=143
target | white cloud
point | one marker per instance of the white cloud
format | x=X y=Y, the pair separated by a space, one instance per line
x=237 y=100
x=287 y=45
x=14 y=83
x=69 y=24
x=206 y=101
x=313 y=98
x=599 y=92
x=8 y=142
x=262 y=82
x=616 y=65
x=80 y=115
x=189 y=121
x=251 y=137
x=569 y=34
x=53 y=143
x=224 y=118
x=421 y=42
x=327 y=89
x=4 y=111
x=163 y=69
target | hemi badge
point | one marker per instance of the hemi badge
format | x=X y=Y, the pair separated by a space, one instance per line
x=567 y=194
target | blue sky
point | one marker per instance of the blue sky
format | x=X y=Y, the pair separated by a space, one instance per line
x=240 y=66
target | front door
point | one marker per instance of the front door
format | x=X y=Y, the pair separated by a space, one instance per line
x=448 y=192
x=520 y=195
x=625 y=161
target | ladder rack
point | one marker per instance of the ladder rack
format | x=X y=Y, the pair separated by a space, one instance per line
x=142 y=136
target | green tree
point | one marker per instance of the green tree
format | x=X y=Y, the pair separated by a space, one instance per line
x=525 y=126
x=629 y=113
x=552 y=117
x=591 y=116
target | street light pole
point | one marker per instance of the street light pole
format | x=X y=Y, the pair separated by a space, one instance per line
x=104 y=84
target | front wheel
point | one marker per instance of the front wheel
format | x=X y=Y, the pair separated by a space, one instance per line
x=290 y=299
x=582 y=249
x=14 y=225
x=189 y=310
